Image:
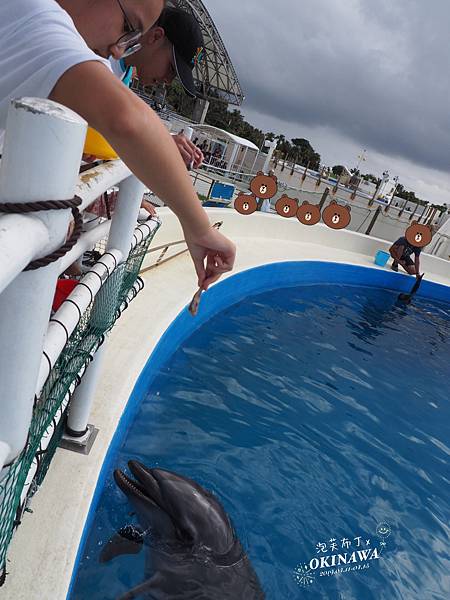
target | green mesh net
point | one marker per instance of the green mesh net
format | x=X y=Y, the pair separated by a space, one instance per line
x=47 y=426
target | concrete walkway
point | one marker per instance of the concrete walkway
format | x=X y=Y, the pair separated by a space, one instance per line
x=44 y=547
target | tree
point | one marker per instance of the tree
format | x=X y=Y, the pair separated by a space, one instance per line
x=182 y=104
x=337 y=170
x=370 y=177
x=305 y=153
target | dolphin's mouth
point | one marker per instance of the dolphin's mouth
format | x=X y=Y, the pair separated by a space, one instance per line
x=143 y=485
x=129 y=486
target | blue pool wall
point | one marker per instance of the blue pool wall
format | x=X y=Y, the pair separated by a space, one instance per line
x=230 y=291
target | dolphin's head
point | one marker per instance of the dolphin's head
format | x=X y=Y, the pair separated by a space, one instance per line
x=176 y=508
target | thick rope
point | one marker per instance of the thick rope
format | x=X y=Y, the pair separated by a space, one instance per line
x=60 y=252
x=28 y=207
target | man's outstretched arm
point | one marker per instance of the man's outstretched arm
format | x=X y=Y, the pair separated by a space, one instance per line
x=144 y=144
x=417 y=265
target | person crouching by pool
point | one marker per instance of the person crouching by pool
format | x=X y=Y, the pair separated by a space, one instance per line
x=401 y=252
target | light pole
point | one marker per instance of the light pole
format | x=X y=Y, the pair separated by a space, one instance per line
x=361 y=158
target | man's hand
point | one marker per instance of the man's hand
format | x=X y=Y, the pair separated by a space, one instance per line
x=148 y=206
x=218 y=251
x=88 y=158
x=189 y=151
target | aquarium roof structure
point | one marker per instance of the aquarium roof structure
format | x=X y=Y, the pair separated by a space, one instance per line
x=215 y=75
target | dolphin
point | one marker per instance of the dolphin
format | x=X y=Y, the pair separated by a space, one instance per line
x=195 y=553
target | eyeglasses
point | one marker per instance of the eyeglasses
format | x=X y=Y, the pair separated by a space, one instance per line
x=130 y=39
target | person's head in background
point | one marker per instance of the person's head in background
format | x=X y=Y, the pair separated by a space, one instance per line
x=113 y=27
x=173 y=46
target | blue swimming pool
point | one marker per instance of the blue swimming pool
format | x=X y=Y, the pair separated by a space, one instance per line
x=319 y=415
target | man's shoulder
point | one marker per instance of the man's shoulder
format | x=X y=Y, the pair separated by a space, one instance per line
x=47 y=28
x=25 y=9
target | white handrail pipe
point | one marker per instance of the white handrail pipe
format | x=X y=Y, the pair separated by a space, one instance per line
x=14 y=254
x=48 y=138
x=121 y=238
x=67 y=317
x=92 y=183
x=86 y=242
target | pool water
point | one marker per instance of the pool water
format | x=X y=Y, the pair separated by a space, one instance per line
x=316 y=414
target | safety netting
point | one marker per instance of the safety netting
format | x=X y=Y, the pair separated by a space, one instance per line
x=26 y=474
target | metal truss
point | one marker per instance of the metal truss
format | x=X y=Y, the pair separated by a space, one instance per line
x=215 y=75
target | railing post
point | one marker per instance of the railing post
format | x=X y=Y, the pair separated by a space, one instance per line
x=336 y=185
x=324 y=197
x=372 y=222
x=80 y=408
x=120 y=235
x=41 y=156
x=131 y=191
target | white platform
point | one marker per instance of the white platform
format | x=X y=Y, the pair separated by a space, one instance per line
x=44 y=548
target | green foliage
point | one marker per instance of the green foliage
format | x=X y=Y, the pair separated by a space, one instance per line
x=372 y=178
x=179 y=101
x=337 y=170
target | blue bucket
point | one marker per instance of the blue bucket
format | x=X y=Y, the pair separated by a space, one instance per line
x=381 y=258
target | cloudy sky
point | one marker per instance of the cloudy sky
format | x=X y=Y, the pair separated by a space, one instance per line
x=349 y=75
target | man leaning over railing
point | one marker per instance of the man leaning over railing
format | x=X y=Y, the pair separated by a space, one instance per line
x=171 y=47
x=58 y=50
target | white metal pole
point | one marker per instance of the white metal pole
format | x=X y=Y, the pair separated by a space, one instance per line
x=257 y=154
x=81 y=403
x=232 y=158
x=120 y=237
x=41 y=156
x=131 y=191
x=4 y=453
x=243 y=160
x=272 y=146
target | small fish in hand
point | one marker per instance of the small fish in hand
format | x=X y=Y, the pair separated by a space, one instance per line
x=195 y=302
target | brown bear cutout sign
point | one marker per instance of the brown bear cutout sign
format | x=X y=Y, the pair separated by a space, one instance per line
x=336 y=216
x=286 y=207
x=418 y=235
x=263 y=187
x=245 y=204
x=308 y=214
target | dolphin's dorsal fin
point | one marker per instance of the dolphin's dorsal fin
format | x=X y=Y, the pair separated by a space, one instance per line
x=128 y=540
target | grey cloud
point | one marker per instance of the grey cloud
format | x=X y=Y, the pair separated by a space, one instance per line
x=376 y=72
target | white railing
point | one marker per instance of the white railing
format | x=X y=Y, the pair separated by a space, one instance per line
x=41 y=158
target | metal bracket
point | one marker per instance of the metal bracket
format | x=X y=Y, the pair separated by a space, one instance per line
x=81 y=445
